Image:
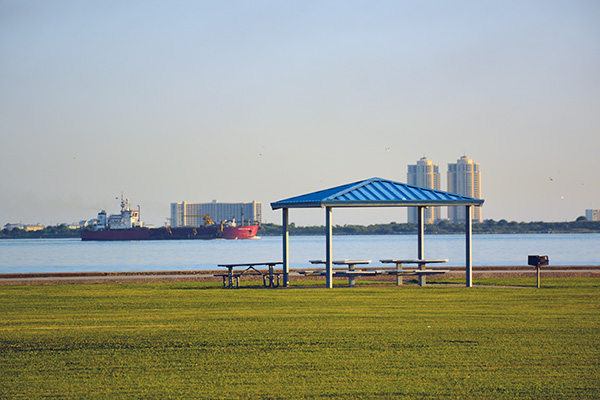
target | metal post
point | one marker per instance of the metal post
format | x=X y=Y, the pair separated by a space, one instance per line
x=286 y=246
x=468 y=250
x=328 y=247
x=421 y=244
x=421 y=240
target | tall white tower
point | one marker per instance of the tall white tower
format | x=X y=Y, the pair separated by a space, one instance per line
x=464 y=178
x=424 y=174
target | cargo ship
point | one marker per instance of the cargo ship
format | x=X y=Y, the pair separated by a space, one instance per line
x=127 y=225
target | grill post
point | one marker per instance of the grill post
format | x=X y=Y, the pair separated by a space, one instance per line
x=537 y=262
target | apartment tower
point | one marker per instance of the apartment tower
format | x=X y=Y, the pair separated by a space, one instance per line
x=424 y=174
x=464 y=178
x=592 y=215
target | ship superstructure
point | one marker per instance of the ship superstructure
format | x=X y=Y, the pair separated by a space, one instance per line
x=127 y=219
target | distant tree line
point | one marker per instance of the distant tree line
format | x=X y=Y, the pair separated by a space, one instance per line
x=58 y=231
x=488 y=226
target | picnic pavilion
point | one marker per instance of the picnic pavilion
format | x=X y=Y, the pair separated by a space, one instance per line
x=376 y=192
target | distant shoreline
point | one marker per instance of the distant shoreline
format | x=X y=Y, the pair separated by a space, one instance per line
x=344 y=234
x=487 y=227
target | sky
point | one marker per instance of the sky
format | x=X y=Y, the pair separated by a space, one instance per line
x=238 y=101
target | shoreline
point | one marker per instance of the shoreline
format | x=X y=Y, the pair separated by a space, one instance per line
x=70 y=278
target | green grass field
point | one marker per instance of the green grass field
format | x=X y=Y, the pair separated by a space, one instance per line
x=196 y=340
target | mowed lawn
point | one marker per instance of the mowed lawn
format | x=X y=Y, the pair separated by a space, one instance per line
x=196 y=340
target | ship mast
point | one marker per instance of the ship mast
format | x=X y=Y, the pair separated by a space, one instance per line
x=122 y=202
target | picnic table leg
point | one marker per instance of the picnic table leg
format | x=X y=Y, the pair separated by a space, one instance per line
x=272 y=281
x=271 y=277
x=422 y=278
x=398 y=276
x=230 y=277
x=351 y=277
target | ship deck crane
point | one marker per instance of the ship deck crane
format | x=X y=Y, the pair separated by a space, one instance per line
x=207 y=219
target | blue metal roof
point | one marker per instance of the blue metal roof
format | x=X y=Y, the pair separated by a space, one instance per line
x=376 y=192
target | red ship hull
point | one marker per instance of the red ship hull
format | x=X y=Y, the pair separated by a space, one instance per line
x=121 y=234
x=165 y=233
x=174 y=233
x=240 y=232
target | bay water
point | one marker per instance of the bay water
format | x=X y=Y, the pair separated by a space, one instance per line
x=73 y=255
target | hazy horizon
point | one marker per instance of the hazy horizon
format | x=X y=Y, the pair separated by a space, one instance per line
x=240 y=101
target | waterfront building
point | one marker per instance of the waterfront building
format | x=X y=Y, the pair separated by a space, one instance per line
x=464 y=178
x=424 y=174
x=25 y=227
x=592 y=215
x=195 y=214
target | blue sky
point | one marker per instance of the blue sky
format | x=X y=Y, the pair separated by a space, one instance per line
x=264 y=100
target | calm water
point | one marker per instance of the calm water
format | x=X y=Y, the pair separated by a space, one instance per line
x=73 y=255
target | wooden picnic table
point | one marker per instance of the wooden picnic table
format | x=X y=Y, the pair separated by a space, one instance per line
x=349 y=263
x=269 y=277
x=421 y=272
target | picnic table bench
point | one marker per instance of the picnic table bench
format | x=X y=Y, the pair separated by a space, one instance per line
x=351 y=273
x=421 y=272
x=231 y=280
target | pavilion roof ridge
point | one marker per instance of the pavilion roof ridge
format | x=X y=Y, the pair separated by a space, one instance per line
x=355 y=186
x=375 y=192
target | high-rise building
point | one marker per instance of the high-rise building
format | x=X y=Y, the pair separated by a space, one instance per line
x=424 y=174
x=464 y=178
x=195 y=214
x=592 y=215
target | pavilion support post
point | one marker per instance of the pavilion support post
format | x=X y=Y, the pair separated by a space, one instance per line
x=328 y=247
x=421 y=240
x=421 y=244
x=468 y=245
x=286 y=247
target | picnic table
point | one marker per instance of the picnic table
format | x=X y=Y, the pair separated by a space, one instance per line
x=421 y=272
x=351 y=273
x=231 y=279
